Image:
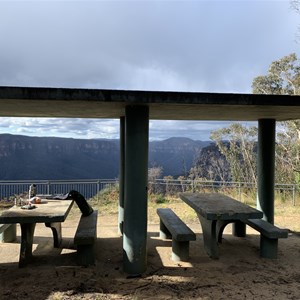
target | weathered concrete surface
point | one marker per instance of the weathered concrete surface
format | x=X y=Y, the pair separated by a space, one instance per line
x=88 y=103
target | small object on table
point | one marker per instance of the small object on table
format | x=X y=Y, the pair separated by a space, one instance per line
x=28 y=206
x=32 y=190
x=35 y=200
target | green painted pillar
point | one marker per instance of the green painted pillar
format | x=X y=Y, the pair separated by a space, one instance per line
x=136 y=181
x=266 y=168
x=121 y=175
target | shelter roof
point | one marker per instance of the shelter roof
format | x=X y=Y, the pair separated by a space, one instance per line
x=163 y=105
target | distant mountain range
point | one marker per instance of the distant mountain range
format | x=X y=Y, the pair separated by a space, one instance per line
x=23 y=157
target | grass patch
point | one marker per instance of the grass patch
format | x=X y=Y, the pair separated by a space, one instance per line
x=286 y=215
x=106 y=201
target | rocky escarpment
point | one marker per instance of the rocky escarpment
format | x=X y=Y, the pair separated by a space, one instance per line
x=23 y=157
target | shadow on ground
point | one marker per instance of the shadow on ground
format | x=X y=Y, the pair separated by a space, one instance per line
x=239 y=273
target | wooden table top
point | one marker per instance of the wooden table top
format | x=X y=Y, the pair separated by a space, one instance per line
x=46 y=212
x=213 y=206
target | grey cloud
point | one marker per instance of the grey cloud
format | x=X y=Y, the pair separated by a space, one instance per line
x=107 y=44
x=105 y=128
x=214 y=46
x=197 y=130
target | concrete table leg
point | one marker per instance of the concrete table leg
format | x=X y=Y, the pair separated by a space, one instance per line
x=209 y=230
x=220 y=226
x=239 y=229
x=56 y=231
x=27 y=231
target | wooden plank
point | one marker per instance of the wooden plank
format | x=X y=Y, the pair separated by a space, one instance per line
x=87 y=229
x=267 y=229
x=179 y=230
x=46 y=212
x=213 y=206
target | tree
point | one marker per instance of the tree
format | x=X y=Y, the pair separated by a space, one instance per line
x=210 y=164
x=237 y=143
x=153 y=174
x=295 y=5
x=288 y=153
x=284 y=78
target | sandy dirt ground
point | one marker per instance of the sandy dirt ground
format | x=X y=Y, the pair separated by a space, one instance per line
x=239 y=273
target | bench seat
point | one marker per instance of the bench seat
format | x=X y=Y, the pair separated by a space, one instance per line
x=269 y=235
x=171 y=226
x=8 y=233
x=85 y=239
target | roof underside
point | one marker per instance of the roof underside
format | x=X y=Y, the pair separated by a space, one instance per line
x=88 y=103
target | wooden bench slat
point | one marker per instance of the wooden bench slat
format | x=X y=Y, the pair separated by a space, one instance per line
x=171 y=226
x=269 y=235
x=267 y=229
x=179 y=230
x=87 y=229
x=85 y=239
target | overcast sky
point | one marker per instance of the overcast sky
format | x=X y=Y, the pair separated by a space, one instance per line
x=203 y=46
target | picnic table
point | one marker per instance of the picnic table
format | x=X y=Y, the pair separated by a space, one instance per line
x=50 y=212
x=215 y=211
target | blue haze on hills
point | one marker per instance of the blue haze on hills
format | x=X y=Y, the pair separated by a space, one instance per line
x=26 y=158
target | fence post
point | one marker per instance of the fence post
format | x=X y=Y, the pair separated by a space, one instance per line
x=294 y=195
x=98 y=187
x=48 y=187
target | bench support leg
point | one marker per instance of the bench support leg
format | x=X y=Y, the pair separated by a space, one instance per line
x=164 y=233
x=209 y=230
x=9 y=235
x=85 y=255
x=180 y=250
x=56 y=231
x=268 y=247
x=27 y=231
x=239 y=229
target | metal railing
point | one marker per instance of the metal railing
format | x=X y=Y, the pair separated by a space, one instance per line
x=287 y=192
x=90 y=188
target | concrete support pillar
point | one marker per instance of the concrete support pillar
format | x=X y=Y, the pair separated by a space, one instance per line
x=266 y=168
x=121 y=175
x=136 y=181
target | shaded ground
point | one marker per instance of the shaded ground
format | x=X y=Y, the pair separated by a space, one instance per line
x=239 y=273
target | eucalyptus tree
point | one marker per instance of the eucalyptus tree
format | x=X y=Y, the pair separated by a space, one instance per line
x=238 y=145
x=283 y=78
x=154 y=173
x=210 y=164
x=295 y=5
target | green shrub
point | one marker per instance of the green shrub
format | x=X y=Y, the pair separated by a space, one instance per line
x=160 y=199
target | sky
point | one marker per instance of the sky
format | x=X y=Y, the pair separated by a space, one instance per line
x=201 y=46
